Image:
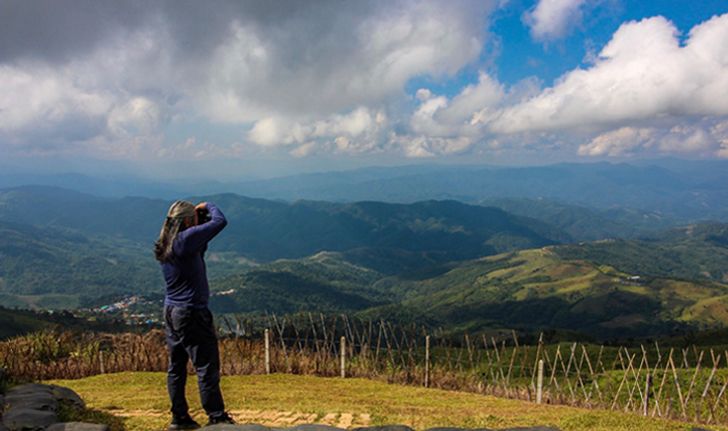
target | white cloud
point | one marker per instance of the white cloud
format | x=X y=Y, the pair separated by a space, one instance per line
x=355 y=132
x=720 y=131
x=37 y=96
x=704 y=138
x=138 y=116
x=423 y=94
x=421 y=146
x=93 y=103
x=304 y=150
x=552 y=19
x=266 y=132
x=643 y=73
x=438 y=116
x=688 y=139
x=618 y=142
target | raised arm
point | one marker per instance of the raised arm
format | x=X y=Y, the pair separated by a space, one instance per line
x=195 y=238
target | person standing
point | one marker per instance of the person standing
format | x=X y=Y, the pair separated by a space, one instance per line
x=180 y=250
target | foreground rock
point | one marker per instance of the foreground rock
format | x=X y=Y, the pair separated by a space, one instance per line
x=20 y=418
x=314 y=427
x=35 y=407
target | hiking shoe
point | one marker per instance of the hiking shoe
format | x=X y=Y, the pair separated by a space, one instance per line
x=222 y=419
x=183 y=423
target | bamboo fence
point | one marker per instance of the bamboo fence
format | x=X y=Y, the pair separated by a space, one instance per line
x=678 y=383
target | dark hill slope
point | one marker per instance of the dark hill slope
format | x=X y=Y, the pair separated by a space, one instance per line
x=266 y=230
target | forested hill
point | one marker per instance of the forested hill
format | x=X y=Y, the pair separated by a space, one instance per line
x=16 y=322
x=265 y=230
x=694 y=252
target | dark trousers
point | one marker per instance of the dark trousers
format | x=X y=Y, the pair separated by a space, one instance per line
x=191 y=335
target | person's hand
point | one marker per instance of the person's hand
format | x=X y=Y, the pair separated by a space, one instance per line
x=201 y=206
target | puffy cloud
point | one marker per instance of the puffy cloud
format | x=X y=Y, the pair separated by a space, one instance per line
x=95 y=103
x=618 y=142
x=37 y=96
x=552 y=19
x=688 y=139
x=422 y=146
x=720 y=131
x=705 y=138
x=642 y=73
x=267 y=131
x=442 y=126
x=357 y=131
x=137 y=116
x=304 y=150
x=441 y=117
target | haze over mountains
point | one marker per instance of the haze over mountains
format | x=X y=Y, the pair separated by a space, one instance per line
x=673 y=188
x=545 y=247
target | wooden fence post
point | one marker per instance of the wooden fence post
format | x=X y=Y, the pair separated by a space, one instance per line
x=427 y=361
x=648 y=384
x=539 y=383
x=267 y=352
x=101 y=362
x=343 y=356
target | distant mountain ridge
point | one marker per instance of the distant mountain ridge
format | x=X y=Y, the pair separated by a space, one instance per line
x=681 y=189
x=585 y=223
x=261 y=229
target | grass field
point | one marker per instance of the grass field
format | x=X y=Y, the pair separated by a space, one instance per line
x=138 y=401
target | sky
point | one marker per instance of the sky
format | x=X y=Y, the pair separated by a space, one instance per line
x=265 y=88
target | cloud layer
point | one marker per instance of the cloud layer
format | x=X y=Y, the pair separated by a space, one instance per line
x=291 y=72
x=137 y=80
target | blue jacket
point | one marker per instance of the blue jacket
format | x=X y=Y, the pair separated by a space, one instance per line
x=186 y=273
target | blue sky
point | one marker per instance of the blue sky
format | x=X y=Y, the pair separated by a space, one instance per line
x=269 y=88
x=592 y=32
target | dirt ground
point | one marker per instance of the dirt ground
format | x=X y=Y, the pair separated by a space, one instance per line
x=272 y=418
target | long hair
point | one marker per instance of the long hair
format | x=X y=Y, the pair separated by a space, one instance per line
x=173 y=224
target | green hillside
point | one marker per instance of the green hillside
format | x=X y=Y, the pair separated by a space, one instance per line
x=695 y=252
x=531 y=290
x=537 y=289
x=20 y=322
x=323 y=282
x=60 y=268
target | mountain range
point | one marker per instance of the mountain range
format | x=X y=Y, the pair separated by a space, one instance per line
x=605 y=264
x=687 y=190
